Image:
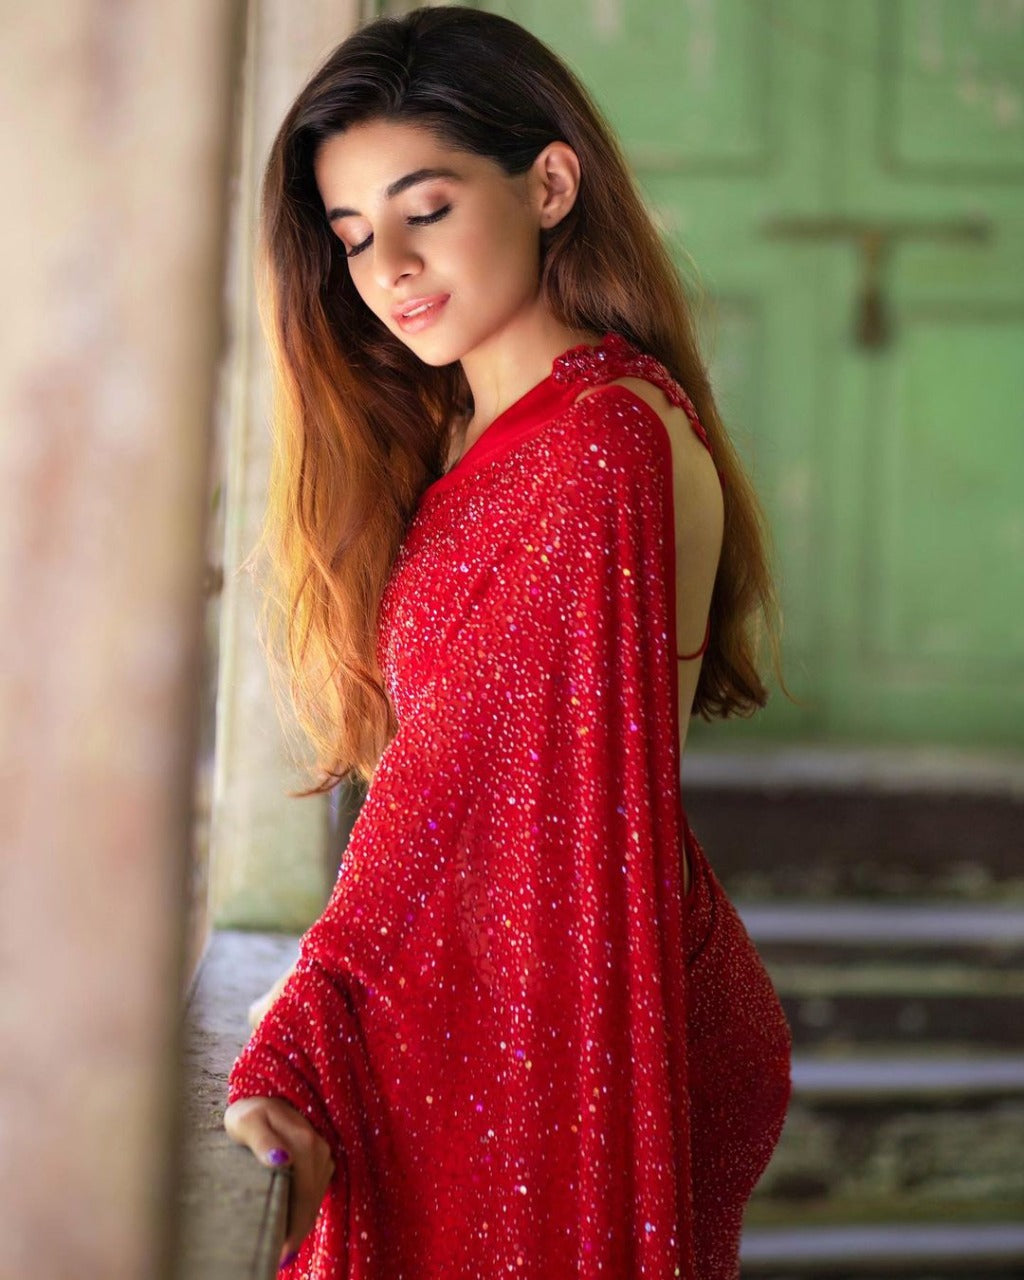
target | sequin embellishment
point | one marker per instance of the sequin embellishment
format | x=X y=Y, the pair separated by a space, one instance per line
x=531 y=1053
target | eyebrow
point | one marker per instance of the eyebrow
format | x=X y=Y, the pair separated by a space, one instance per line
x=398 y=186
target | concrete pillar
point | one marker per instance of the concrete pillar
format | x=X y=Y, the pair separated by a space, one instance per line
x=272 y=864
x=114 y=121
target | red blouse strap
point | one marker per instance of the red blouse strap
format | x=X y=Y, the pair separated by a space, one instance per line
x=704 y=644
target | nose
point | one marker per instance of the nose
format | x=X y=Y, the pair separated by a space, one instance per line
x=393 y=259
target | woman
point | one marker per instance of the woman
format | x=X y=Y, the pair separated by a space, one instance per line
x=529 y=1035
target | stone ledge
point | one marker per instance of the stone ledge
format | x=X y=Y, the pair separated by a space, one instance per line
x=232 y=1211
x=830 y=767
x=972 y=1249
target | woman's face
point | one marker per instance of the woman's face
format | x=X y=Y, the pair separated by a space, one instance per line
x=471 y=239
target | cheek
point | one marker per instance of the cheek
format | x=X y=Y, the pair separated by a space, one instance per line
x=362 y=278
x=498 y=251
x=369 y=293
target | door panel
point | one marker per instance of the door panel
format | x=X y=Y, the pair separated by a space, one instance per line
x=767 y=138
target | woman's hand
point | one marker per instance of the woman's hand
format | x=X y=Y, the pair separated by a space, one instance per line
x=279 y=1136
x=260 y=1006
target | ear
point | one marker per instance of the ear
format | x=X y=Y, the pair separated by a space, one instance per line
x=556 y=183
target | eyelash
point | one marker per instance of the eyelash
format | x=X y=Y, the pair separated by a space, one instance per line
x=419 y=221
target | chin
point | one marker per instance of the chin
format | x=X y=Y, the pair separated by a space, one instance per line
x=427 y=358
x=431 y=351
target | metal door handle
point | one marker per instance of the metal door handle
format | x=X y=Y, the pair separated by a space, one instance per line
x=872 y=327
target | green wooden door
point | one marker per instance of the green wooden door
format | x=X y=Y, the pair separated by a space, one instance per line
x=845 y=184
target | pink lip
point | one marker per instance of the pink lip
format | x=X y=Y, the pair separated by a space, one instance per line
x=412 y=323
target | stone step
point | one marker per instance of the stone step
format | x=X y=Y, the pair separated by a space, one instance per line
x=932 y=1250
x=868 y=1078
x=818 y=766
x=885 y=892
x=815 y=823
x=826 y=1014
x=879 y=972
x=879 y=1136
x=996 y=927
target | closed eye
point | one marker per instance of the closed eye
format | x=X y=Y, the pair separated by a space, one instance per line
x=415 y=222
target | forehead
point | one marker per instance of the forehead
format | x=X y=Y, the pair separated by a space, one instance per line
x=356 y=166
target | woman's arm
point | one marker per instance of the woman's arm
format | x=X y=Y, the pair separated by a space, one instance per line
x=260 y=1006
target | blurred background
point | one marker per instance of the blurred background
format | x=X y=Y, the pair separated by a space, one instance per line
x=842 y=185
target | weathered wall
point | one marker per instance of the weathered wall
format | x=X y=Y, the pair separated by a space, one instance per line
x=115 y=120
x=270 y=864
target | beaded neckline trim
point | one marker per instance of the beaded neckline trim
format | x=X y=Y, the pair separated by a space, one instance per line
x=567 y=369
x=579 y=360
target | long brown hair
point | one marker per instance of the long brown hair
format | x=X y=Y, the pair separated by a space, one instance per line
x=361 y=426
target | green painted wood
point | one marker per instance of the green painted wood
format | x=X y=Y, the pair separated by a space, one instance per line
x=891 y=474
x=928 y=456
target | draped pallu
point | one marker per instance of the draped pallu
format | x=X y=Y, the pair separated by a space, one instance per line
x=532 y=1054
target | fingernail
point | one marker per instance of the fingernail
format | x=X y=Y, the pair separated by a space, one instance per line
x=278 y=1156
x=288 y=1260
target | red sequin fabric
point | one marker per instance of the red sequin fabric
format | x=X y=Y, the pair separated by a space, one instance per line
x=532 y=1054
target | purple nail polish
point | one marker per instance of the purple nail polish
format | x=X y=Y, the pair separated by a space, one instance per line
x=288 y=1260
x=278 y=1156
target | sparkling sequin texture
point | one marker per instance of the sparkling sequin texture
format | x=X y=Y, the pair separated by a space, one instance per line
x=532 y=1054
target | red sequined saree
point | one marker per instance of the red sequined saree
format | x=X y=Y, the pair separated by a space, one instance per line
x=532 y=1054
